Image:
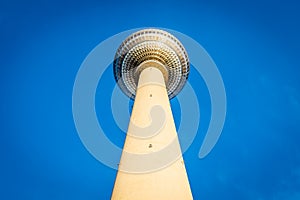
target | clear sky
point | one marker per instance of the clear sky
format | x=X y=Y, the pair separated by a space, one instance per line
x=255 y=45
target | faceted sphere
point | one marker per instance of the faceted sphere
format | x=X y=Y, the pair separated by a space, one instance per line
x=151 y=45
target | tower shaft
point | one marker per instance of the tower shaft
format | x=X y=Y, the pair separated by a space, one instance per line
x=142 y=152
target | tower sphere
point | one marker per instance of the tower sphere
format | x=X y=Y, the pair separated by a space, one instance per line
x=151 y=48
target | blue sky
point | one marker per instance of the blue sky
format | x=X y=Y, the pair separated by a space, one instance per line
x=255 y=45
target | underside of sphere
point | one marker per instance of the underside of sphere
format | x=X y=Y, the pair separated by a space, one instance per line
x=152 y=46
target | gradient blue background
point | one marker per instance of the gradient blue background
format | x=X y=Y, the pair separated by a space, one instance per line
x=255 y=45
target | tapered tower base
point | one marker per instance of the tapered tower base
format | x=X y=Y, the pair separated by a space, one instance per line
x=145 y=172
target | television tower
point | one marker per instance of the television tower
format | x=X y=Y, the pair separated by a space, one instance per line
x=151 y=66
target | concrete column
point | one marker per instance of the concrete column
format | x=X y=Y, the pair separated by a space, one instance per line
x=145 y=172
